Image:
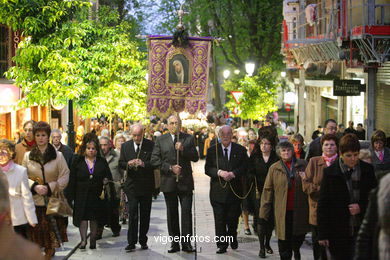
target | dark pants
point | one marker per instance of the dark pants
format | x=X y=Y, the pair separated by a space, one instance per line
x=292 y=242
x=139 y=209
x=226 y=221
x=21 y=230
x=319 y=252
x=342 y=249
x=172 y=203
x=264 y=230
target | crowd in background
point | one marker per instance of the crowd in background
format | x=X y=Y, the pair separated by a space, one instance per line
x=334 y=186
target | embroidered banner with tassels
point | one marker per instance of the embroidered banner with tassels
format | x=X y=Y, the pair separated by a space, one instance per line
x=178 y=77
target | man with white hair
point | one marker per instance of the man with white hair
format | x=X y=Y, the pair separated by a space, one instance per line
x=173 y=153
x=56 y=136
x=138 y=185
x=226 y=163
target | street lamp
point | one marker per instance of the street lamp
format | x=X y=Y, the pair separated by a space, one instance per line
x=289 y=100
x=249 y=68
x=226 y=73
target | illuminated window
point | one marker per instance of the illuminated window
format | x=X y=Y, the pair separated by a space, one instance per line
x=4 y=50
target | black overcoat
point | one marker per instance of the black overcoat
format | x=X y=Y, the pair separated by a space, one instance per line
x=85 y=191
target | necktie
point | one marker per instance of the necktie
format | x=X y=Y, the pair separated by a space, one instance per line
x=175 y=140
x=381 y=156
x=348 y=174
x=226 y=157
x=137 y=151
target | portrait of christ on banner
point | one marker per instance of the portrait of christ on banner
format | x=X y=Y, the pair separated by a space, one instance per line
x=179 y=70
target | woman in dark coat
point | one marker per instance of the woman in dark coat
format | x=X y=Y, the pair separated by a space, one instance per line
x=88 y=173
x=343 y=199
x=260 y=160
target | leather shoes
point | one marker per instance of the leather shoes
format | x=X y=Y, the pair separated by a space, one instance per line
x=269 y=250
x=83 y=244
x=174 y=249
x=129 y=248
x=262 y=253
x=187 y=248
x=221 y=250
x=116 y=234
x=248 y=232
x=144 y=246
x=234 y=244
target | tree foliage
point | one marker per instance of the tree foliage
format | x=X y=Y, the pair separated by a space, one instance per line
x=94 y=63
x=250 y=29
x=40 y=17
x=259 y=93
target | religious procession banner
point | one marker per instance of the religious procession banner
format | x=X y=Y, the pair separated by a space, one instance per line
x=178 y=77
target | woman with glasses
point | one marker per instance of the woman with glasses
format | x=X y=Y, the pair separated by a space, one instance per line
x=22 y=204
x=260 y=161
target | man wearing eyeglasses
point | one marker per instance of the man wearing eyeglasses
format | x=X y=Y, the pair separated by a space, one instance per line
x=173 y=153
x=315 y=149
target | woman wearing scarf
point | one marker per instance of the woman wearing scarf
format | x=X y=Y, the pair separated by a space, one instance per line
x=27 y=143
x=311 y=183
x=48 y=174
x=298 y=143
x=343 y=199
x=283 y=192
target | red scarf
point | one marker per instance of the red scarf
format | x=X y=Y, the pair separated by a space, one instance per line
x=30 y=144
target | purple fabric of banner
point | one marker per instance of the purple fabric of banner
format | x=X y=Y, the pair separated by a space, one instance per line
x=178 y=77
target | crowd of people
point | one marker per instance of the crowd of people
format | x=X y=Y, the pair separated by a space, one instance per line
x=333 y=187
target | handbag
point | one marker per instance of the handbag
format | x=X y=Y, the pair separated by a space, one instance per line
x=58 y=205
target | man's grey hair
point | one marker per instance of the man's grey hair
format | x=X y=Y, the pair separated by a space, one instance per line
x=57 y=131
x=105 y=138
x=4 y=195
x=224 y=127
x=284 y=145
x=137 y=126
x=174 y=116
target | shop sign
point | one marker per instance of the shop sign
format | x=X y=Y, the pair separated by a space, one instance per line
x=348 y=87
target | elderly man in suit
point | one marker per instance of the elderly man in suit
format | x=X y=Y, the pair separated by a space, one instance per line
x=226 y=163
x=173 y=153
x=138 y=185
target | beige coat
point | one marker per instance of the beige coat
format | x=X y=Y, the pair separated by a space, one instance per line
x=56 y=173
x=312 y=183
x=20 y=149
x=275 y=193
x=22 y=204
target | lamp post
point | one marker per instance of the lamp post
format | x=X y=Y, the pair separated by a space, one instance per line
x=71 y=133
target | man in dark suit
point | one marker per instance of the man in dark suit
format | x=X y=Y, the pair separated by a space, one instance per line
x=176 y=180
x=315 y=149
x=138 y=185
x=226 y=164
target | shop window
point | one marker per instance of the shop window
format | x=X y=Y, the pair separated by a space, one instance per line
x=5 y=126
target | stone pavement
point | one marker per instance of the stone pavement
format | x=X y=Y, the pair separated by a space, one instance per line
x=112 y=248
